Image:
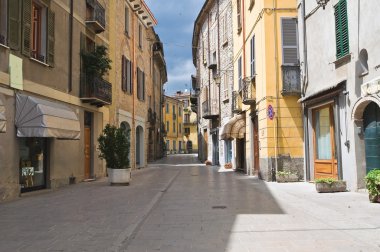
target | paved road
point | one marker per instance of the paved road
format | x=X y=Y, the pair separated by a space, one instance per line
x=179 y=205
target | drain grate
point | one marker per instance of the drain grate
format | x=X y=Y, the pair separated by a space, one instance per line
x=219 y=207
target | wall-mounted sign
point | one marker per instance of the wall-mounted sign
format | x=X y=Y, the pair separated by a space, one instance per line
x=270 y=112
x=371 y=87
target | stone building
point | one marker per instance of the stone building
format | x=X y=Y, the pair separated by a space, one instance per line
x=340 y=58
x=51 y=111
x=267 y=88
x=213 y=59
x=173 y=121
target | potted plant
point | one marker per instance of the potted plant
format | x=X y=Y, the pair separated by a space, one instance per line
x=286 y=176
x=372 y=181
x=96 y=63
x=328 y=185
x=114 y=147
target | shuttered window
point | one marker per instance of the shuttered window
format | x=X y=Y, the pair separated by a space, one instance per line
x=341 y=29
x=140 y=84
x=126 y=75
x=289 y=41
x=239 y=17
x=253 y=70
x=240 y=76
x=14 y=22
x=3 y=21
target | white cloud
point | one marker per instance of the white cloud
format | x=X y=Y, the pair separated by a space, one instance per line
x=181 y=73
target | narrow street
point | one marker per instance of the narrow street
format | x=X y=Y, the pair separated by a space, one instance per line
x=178 y=204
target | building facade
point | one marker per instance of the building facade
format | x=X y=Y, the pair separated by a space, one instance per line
x=173 y=120
x=340 y=89
x=190 y=136
x=266 y=88
x=49 y=109
x=212 y=84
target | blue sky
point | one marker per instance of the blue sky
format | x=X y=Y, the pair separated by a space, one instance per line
x=175 y=28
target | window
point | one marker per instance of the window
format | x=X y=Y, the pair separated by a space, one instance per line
x=289 y=41
x=341 y=29
x=167 y=108
x=180 y=111
x=140 y=85
x=167 y=126
x=239 y=17
x=126 y=78
x=187 y=118
x=180 y=128
x=140 y=36
x=186 y=103
x=253 y=70
x=225 y=28
x=173 y=109
x=174 y=145
x=37 y=31
x=204 y=56
x=174 y=127
x=240 y=78
x=228 y=151
x=225 y=85
x=3 y=21
x=187 y=131
x=127 y=20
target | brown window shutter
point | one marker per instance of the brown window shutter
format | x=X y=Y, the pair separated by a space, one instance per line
x=128 y=77
x=143 y=85
x=14 y=20
x=123 y=73
x=51 y=37
x=26 y=26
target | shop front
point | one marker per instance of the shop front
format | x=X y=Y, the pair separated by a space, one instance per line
x=38 y=121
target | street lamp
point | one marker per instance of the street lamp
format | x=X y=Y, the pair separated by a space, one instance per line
x=322 y=3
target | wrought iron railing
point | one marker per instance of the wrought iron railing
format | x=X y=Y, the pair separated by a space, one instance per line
x=98 y=14
x=236 y=102
x=95 y=88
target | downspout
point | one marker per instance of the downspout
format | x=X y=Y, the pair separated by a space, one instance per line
x=243 y=27
x=277 y=84
x=70 y=81
x=133 y=92
x=220 y=103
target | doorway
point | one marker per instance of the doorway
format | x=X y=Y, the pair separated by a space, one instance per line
x=325 y=162
x=371 y=123
x=87 y=145
x=256 y=155
x=139 y=146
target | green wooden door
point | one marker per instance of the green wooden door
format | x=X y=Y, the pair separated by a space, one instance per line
x=372 y=135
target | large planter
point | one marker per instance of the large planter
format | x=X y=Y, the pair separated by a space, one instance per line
x=287 y=178
x=119 y=176
x=375 y=198
x=336 y=186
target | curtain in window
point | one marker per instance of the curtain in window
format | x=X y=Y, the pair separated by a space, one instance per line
x=323 y=134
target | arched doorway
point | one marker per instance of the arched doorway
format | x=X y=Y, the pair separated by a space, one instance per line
x=127 y=129
x=371 y=125
x=139 y=146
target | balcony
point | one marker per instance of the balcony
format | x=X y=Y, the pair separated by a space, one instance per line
x=209 y=112
x=96 y=91
x=95 y=19
x=236 y=102
x=249 y=92
x=194 y=108
x=291 y=81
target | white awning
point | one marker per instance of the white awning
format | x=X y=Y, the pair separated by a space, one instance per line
x=3 y=120
x=235 y=128
x=36 y=117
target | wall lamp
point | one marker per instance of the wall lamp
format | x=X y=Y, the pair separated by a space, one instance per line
x=322 y=3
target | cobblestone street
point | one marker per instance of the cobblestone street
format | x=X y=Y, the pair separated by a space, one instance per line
x=178 y=204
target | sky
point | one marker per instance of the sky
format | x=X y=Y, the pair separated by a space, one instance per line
x=175 y=28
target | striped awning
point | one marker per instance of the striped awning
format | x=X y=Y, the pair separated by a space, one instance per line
x=235 y=128
x=3 y=120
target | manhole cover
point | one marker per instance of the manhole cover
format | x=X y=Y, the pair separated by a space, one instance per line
x=219 y=207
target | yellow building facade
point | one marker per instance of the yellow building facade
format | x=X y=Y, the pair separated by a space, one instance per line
x=267 y=86
x=173 y=120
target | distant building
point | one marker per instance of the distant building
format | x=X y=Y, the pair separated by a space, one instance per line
x=173 y=121
x=190 y=136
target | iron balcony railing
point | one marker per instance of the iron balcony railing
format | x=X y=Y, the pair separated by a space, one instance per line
x=209 y=111
x=97 y=18
x=236 y=102
x=249 y=92
x=96 y=91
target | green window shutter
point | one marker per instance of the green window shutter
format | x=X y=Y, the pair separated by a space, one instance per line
x=50 y=37
x=341 y=29
x=14 y=20
x=26 y=26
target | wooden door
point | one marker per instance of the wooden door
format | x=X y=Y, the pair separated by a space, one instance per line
x=87 y=152
x=325 y=162
x=256 y=146
x=205 y=151
x=371 y=125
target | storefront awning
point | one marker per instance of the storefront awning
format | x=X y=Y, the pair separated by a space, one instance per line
x=3 y=120
x=235 y=128
x=36 y=117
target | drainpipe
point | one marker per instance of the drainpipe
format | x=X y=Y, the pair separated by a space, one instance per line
x=220 y=103
x=243 y=27
x=277 y=84
x=70 y=82
x=133 y=137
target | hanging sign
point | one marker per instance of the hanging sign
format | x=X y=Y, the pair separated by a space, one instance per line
x=270 y=112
